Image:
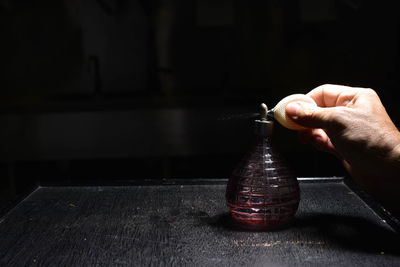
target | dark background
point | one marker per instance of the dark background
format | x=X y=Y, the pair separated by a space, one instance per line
x=157 y=89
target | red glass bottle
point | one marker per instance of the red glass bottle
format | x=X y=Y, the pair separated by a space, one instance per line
x=262 y=192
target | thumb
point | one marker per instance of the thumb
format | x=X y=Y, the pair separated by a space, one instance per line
x=309 y=115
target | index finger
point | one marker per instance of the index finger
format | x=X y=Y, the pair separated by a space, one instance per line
x=332 y=95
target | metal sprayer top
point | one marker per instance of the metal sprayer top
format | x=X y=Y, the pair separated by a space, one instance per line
x=263 y=126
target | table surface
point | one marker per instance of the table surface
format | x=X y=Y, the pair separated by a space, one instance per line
x=188 y=224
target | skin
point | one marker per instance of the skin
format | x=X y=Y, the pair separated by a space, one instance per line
x=353 y=124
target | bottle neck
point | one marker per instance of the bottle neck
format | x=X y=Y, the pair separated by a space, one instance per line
x=263 y=128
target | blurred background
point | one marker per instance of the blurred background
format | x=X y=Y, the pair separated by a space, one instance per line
x=159 y=89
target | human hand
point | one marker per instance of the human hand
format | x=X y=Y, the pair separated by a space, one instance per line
x=353 y=124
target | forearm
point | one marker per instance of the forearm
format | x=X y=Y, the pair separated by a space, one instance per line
x=383 y=181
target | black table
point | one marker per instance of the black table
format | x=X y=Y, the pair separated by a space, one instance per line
x=186 y=223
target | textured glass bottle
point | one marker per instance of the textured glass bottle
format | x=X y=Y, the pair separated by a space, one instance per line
x=262 y=192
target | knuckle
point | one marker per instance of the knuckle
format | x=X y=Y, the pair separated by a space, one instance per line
x=370 y=92
x=326 y=85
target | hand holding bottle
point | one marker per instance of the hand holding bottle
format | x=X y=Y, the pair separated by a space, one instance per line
x=353 y=124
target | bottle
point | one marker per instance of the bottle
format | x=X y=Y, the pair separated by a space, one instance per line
x=262 y=192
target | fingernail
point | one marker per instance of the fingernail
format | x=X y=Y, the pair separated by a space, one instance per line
x=292 y=110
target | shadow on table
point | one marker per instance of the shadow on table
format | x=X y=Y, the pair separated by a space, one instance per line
x=348 y=232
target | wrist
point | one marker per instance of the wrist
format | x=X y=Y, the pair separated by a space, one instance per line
x=394 y=154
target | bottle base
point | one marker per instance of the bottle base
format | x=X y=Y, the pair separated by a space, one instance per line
x=273 y=226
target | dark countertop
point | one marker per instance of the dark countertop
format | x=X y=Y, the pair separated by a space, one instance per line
x=188 y=224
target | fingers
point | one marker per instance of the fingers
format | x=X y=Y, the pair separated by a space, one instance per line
x=319 y=139
x=330 y=95
x=310 y=116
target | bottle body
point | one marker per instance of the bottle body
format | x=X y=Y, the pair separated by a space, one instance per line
x=262 y=192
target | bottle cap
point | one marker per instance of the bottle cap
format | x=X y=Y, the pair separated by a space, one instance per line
x=263 y=126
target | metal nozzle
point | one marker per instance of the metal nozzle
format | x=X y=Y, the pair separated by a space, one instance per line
x=270 y=113
x=263 y=112
x=263 y=126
